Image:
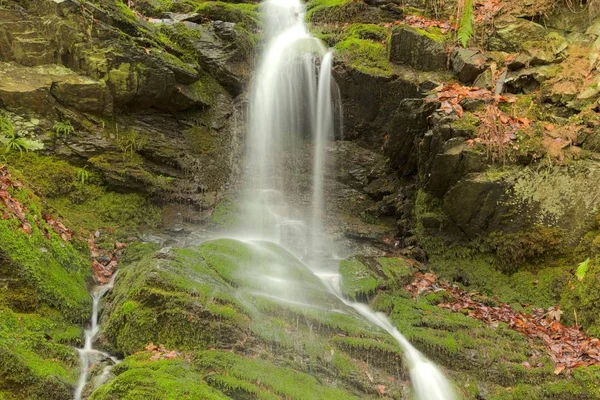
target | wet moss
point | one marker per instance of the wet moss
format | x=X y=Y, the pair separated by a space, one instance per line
x=281 y=381
x=139 y=377
x=172 y=299
x=226 y=214
x=37 y=359
x=357 y=279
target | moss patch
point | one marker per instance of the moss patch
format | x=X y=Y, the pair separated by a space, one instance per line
x=362 y=46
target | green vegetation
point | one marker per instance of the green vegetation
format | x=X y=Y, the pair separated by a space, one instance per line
x=63 y=128
x=12 y=141
x=37 y=359
x=332 y=11
x=243 y=13
x=465 y=27
x=363 y=47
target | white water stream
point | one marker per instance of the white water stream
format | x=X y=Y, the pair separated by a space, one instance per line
x=291 y=107
x=88 y=355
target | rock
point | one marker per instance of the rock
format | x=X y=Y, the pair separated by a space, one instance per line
x=546 y=51
x=485 y=80
x=84 y=94
x=522 y=60
x=417 y=48
x=467 y=64
x=225 y=52
x=512 y=36
x=447 y=167
x=47 y=87
x=405 y=128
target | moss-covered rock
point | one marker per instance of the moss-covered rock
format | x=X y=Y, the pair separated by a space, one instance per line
x=418 y=48
x=362 y=277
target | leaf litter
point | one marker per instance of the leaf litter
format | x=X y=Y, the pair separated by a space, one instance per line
x=568 y=347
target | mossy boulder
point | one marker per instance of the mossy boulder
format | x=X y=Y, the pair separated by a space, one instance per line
x=418 y=48
x=362 y=277
x=512 y=36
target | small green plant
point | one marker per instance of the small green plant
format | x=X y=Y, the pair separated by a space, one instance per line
x=465 y=27
x=63 y=128
x=83 y=175
x=12 y=141
x=131 y=141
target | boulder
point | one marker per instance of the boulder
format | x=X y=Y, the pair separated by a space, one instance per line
x=42 y=89
x=417 y=48
x=467 y=64
x=512 y=36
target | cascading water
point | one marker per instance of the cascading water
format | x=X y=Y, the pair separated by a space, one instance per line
x=291 y=104
x=290 y=107
x=88 y=355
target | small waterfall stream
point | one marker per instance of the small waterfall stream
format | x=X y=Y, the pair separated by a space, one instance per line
x=291 y=105
x=88 y=355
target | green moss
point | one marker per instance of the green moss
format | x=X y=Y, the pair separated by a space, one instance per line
x=284 y=382
x=226 y=214
x=468 y=123
x=241 y=13
x=41 y=269
x=173 y=299
x=127 y=168
x=139 y=378
x=325 y=11
x=581 y=300
x=357 y=279
x=515 y=248
x=37 y=359
x=203 y=140
x=365 y=55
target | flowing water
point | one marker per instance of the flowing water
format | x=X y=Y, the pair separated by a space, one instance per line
x=291 y=107
x=88 y=355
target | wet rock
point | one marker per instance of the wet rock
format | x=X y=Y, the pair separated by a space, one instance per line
x=418 y=49
x=467 y=64
x=224 y=51
x=406 y=126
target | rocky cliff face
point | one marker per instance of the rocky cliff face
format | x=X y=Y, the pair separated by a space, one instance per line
x=152 y=104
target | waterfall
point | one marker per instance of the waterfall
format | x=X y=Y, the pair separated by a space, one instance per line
x=88 y=355
x=291 y=107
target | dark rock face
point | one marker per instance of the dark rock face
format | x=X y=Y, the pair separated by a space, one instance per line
x=418 y=49
x=467 y=64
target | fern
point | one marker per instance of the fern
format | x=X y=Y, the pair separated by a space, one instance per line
x=63 y=128
x=465 y=28
x=12 y=141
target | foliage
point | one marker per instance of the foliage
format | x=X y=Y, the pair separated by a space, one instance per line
x=131 y=141
x=465 y=27
x=12 y=141
x=83 y=175
x=63 y=128
x=582 y=269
